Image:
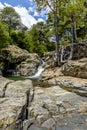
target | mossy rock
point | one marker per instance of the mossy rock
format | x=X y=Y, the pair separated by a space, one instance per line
x=1 y=65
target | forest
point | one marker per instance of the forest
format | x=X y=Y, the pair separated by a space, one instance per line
x=66 y=24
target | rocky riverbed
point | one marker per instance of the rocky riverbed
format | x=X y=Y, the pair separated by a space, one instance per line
x=57 y=102
x=26 y=106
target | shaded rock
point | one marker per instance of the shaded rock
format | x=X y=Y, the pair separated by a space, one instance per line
x=50 y=59
x=79 y=51
x=0 y=73
x=13 y=54
x=1 y=67
x=75 y=68
x=81 y=92
x=18 y=62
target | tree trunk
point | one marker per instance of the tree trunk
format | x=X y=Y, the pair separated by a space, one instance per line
x=9 y=27
x=71 y=52
x=85 y=5
x=74 y=33
x=62 y=55
x=86 y=23
x=73 y=37
x=57 y=37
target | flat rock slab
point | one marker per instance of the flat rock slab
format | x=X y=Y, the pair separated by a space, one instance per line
x=77 y=85
x=18 y=88
x=33 y=127
x=55 y=107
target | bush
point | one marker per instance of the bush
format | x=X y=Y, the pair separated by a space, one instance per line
x=4 y=36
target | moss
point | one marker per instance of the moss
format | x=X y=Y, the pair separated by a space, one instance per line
x=42 y=84
x=1 y=65
x=7 y=121
x=29 y=61
x=15 y=78
x=66 y=88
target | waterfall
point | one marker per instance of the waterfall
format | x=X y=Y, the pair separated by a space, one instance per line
x=38 y=73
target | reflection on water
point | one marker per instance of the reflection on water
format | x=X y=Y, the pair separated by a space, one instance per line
x=15 y=78
x=36 y=83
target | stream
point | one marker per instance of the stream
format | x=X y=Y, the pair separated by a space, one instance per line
x=37 y=75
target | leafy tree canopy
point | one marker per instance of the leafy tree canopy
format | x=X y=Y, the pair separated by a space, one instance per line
x=4 y=36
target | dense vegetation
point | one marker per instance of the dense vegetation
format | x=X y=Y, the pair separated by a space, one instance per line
x=66 y=23
x=69 y=16
x=12 y=31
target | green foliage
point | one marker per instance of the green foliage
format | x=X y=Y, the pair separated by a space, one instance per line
x=39 y=39
x=35 y=41
x=66 y=11
x=19 y=38
x=75 y=13
x=4 y=36
x=9 y=16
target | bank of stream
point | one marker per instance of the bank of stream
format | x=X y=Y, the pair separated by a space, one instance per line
x=55 y=104
x=46 y=84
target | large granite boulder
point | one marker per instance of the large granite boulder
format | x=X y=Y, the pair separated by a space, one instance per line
x=55 y=108
x=13 y=54
x=50 y=59
x=79 y=51
x=17 y=61
x=29 y=66
x=77 y=68
x=14 y=100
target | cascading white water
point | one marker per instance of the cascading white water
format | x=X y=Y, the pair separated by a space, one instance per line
x=38 y=73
